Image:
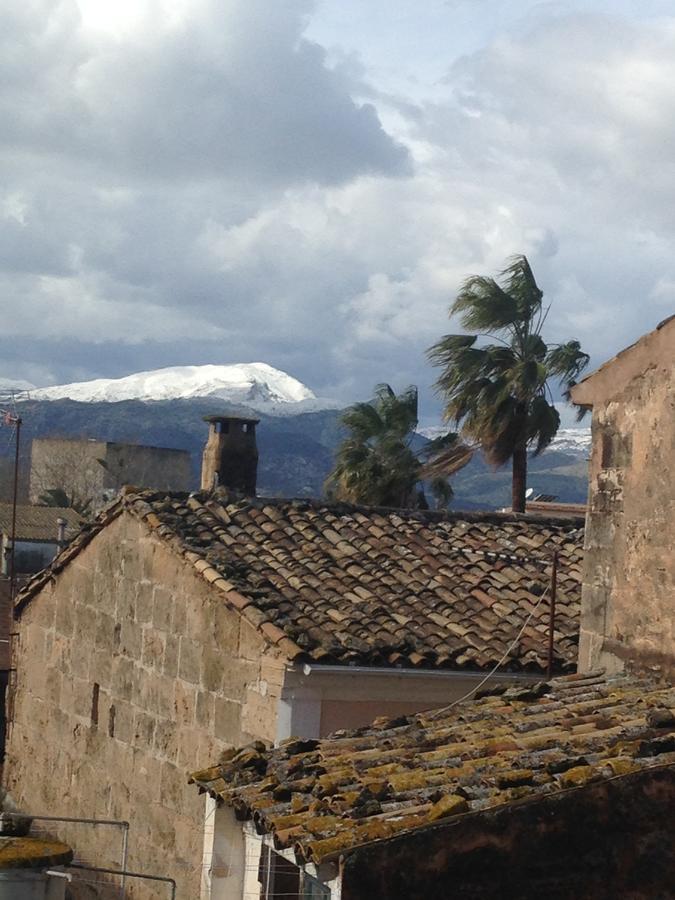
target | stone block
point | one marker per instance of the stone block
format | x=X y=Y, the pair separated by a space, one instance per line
x=173 y=787
x=259 y=716
x=80 y=659
x=166 y=740
x=189 y=660
x=65 y=620
x=251 y=644
x=126 y=600
x=124 y=722
x=180 y=614
x=237 y=674
x=124 y=678
x=82 y=697
x=144 y=603
x=131 y=639
x=171 y=650
x=105 y=632
x=85 y=623
x=154 y=643
x=205 y=710
x=101 y=668
x=227 y=720
x=185 y=703
x=144 y=730
x=54 y=681
x=225 y=626
x=162 y=608
x=273 y=670
x=212 y=668
x=44 y=612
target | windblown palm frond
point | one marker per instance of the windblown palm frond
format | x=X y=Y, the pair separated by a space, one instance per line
x=499 y=393
x=375 y=464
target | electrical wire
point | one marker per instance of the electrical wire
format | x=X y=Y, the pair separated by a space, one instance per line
x=438 y=712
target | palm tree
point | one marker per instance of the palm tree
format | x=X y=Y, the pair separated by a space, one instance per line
x=500 y=393
x=375 y=464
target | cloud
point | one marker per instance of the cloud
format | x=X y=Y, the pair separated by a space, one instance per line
x=232 y=90
x=210 y=188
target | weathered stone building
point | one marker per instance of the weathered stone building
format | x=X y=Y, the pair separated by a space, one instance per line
x=176 y=627
x=91 y=470
x=629 y=566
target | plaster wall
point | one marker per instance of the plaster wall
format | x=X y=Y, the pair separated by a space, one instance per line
x=628 y=599
x=131 y=672
x=318 y=700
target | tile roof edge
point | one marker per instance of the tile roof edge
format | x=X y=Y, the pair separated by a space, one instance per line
x=502 y=809
x=236 y=601
x=429 y=515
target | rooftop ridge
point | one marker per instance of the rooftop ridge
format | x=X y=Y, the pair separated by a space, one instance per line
x=349 y=585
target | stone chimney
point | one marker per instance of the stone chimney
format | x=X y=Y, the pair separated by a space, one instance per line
x=230 y=456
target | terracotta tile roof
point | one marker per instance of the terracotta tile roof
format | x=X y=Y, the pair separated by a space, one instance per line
x=330 y=796
x=344 y=584
x=38 y=523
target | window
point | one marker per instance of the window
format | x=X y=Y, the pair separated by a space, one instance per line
x=279 y=877
x=313 y=889
x=94 y=705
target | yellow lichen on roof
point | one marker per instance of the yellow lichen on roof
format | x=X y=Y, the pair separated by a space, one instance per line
x=32 y=853
x=326 y=797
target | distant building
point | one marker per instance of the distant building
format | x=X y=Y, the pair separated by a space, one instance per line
x=629 y=565
x=90 y=470
x=39 y=531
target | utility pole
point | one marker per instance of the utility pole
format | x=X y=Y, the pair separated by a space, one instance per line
x=12 y=560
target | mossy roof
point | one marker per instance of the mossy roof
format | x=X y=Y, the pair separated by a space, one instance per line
x=326 y=797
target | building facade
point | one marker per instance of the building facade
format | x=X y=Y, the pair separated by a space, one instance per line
x=628 y=616
x=89 y=471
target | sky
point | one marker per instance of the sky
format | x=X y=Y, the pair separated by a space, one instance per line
x=307 y=182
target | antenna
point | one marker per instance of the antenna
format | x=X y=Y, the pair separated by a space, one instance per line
x=12 y=419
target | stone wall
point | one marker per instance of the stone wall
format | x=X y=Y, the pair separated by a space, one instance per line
x=131 y=673
x=160 y=468
x=87 y=469
x=628 y=608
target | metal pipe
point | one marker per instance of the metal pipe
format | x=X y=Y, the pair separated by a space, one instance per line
x=551 y=618
x=126 y=873
x=447 y=674
x=60 y=533
x=125 y=853
x=12 y=564
x=77 y=820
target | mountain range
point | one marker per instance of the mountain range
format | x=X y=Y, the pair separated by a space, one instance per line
x=297 y=436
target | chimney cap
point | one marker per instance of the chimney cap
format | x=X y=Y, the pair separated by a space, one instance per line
x=226 y=418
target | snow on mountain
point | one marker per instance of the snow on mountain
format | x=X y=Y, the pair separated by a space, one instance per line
x=256 y=385
x=573 y=440
x=567 y=440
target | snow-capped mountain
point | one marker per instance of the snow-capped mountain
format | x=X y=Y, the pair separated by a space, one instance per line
x=567 y=440
x=256 y=385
